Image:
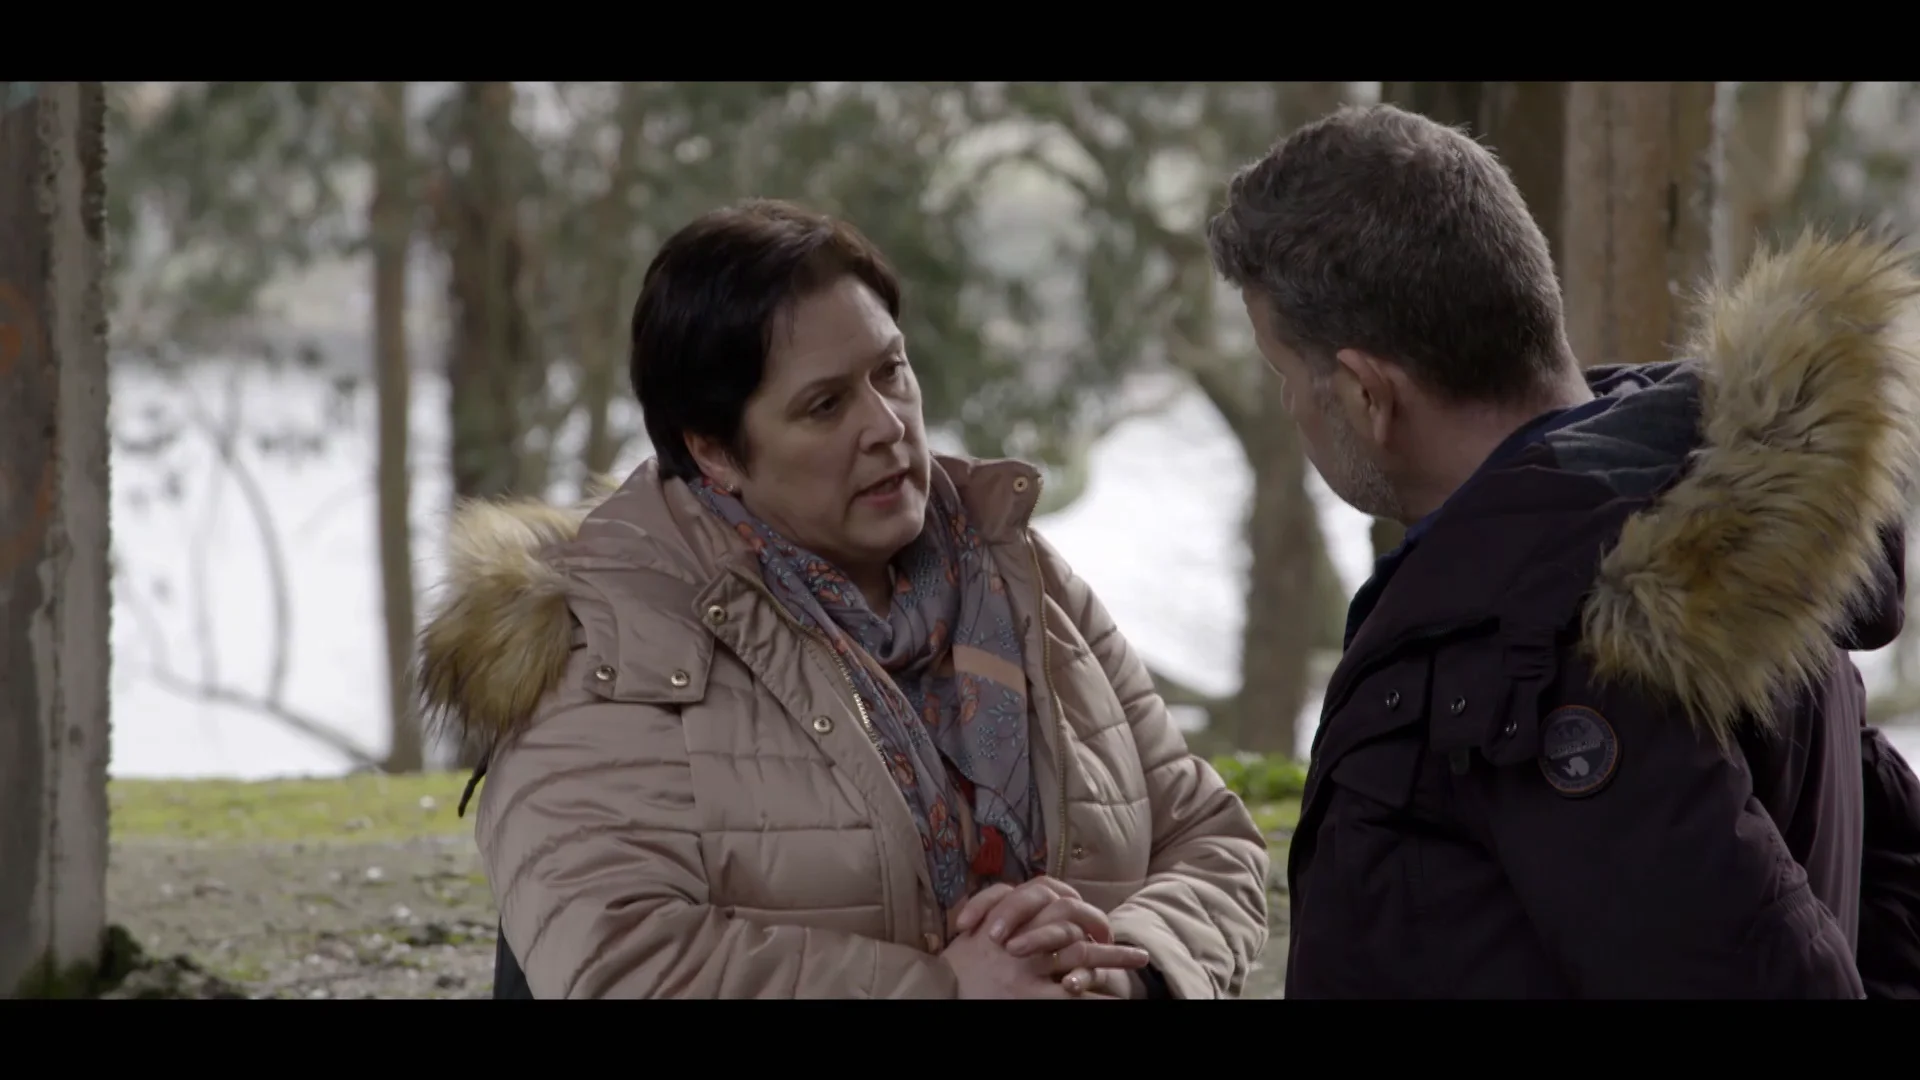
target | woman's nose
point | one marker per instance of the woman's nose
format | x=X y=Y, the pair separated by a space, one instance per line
x=885 y=424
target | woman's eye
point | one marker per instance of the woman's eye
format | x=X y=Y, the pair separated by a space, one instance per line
x=824 y=406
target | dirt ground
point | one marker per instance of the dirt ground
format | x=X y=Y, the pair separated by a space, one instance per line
x=400 y=919
x=374 y=919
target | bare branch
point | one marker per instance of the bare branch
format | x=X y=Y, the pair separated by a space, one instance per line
x=1113 y=416
x=197 y=582
x=1217 y=379
x=329 y=507
x=161 y=671
x=1226 y=391
x=300 y=723
x=1223 y=382
x=225 y=437
x=1142 y=143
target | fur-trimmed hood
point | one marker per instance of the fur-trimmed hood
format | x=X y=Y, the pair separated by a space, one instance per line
x=1800 y=435
x=1766 y=541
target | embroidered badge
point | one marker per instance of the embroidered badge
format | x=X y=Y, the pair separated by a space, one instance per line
x=1579 y=751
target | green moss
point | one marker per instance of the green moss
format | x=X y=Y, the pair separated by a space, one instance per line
x=119 y=955
x=1262 y=778
x=43 y=980
x=352 y=809
x=1276 y=817
x=243 y=971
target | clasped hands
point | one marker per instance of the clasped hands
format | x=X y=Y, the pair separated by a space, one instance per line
x=1040 y=940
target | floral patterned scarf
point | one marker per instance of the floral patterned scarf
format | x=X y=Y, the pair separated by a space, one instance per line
x=941 y=678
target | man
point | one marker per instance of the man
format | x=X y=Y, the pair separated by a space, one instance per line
x=1594 y=733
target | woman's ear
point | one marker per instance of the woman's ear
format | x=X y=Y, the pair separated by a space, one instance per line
x=715 y=462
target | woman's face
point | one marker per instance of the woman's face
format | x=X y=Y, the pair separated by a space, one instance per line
x=836 y=447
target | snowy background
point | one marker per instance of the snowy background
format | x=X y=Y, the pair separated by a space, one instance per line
x=194 y=603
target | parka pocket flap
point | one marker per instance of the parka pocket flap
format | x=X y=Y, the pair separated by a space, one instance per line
x=1384 y=771
x=1486 y=695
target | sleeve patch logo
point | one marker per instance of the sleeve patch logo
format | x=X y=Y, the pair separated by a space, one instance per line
x=1579 y=751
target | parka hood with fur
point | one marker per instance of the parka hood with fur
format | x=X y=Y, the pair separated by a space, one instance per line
x=1782 y=452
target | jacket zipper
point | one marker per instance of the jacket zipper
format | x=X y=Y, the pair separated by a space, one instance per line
x=1064 y=746
x=859 y=704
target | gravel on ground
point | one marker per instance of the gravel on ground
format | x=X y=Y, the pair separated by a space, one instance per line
x=381 y=919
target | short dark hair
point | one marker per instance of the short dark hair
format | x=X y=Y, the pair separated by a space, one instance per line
x=1378 y=229
x=708 y=308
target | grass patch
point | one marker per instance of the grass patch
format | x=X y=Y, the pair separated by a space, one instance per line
x=350 y=809
x=1274 y=816
x=1262 y=778
x=1271 y=785
x=371 y=807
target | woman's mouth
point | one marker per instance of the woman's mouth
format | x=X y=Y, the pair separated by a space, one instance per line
x=884 y=492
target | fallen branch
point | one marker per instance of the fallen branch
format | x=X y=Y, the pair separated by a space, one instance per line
x=161 y=671
x=299 y=723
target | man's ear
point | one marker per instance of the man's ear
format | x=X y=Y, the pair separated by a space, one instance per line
x=1367 y=392
x=715 y=462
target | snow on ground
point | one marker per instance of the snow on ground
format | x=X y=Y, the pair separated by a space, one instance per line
x=1156 y=534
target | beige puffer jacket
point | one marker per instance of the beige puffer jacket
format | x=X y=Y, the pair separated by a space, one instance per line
x=682 y=801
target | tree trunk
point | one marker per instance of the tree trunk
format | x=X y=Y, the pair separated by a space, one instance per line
x=1697 y=191
x=1285 y=545
x=1455 y=104
x=496 y=381
x=391 y=226
x=598 y=380
x=54 y=581
x=1638 y=185
x=1290 y=578
x=603 y=321
x=1525 y=123
x=1765 y=144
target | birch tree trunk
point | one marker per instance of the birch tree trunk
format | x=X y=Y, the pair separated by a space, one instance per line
x=54 y=588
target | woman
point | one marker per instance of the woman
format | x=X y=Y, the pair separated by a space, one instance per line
x=805 y=710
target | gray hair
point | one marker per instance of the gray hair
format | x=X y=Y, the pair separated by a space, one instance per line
x=1381 y=230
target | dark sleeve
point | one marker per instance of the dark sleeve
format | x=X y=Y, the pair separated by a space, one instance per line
x=1889 y=872
x=1669 y=880
x=1156 y=983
